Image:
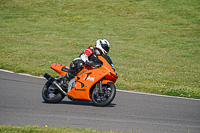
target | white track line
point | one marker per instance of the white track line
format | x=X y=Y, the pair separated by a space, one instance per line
x=133 y=92
x=22 y=74
x=158 y=95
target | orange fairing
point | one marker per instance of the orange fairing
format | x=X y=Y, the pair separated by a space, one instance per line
x=58 y=67
x=84 y=82
x=112 y=76
x=89 y=76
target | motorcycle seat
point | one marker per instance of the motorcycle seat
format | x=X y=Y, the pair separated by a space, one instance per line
x=67 y=70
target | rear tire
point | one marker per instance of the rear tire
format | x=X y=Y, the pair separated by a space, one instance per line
x=101 y=100
x=51 y=94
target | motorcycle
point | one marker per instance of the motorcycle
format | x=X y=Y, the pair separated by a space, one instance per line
x=92 y=84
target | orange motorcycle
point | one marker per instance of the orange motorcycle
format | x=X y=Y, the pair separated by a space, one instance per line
x=93 y=84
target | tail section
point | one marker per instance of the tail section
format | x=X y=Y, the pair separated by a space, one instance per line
x=58 y=68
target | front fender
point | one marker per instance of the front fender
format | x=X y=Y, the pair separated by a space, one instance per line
x=106 y=81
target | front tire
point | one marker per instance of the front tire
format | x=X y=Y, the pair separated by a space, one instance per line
x=51 y=94
x=104 y=98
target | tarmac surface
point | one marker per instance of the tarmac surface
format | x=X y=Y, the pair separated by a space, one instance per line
x=21 y=103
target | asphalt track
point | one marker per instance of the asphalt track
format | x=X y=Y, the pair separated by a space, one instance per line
x=21 y=104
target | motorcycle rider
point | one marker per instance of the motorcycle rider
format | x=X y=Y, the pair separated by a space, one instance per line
x=89 y=57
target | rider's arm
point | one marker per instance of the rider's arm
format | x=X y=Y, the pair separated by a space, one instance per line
x=87 y=53
x=95 y=61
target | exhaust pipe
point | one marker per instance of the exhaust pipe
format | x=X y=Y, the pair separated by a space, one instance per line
x=53 y=81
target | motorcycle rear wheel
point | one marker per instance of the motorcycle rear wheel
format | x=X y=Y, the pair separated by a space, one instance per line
x=51 y=94
x=104 y=98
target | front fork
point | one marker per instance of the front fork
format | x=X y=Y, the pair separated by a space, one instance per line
x=100 y=86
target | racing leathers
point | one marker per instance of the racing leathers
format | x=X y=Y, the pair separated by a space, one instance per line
x=87 y=57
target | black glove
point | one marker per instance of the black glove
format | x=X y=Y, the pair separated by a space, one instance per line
x=90 y=63
x=97 y=65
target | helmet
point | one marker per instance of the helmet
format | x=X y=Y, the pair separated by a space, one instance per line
x=103 y=45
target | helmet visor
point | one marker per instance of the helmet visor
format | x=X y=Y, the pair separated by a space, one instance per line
x=105 y=47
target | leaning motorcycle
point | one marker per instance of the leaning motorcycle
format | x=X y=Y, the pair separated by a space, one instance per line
x=93 y=84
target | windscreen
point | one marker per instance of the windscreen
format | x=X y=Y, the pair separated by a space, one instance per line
x=108 y=59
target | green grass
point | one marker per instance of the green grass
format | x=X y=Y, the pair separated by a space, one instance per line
x=155 y=45
x=46 y=129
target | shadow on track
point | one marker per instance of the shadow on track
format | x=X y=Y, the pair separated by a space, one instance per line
x=82 y=103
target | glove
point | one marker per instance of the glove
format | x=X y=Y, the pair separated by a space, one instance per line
x=90 y=63
x=97 y=65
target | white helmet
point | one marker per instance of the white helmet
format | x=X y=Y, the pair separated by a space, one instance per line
x=103 y=45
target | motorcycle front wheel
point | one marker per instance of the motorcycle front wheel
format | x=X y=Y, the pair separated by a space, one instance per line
x=105 y=97
x=51 y=94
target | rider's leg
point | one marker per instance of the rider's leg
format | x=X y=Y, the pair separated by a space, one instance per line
x=75 y=67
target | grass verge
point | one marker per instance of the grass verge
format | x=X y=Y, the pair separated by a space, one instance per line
x=37 y=129
x=154 y=44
